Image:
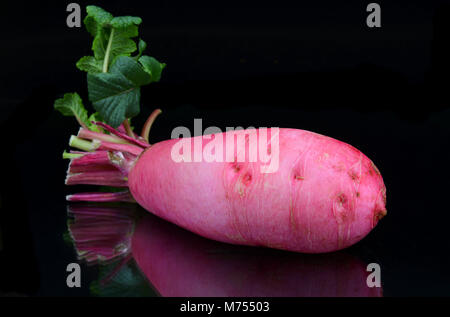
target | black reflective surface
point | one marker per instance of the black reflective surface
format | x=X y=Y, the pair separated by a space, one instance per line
x=142 y=255
x=313 y=67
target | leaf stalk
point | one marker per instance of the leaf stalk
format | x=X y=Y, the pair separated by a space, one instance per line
x=108 y=51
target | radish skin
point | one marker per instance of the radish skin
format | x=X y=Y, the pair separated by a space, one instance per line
x=325 y=196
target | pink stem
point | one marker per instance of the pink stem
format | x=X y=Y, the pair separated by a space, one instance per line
x=126 y=125
x=102 y=233
x=91 y=135
x=104 y=212
x=81 y=123
x=148 y=124
x=91 y=161
x=129 y=148
x=122 y=135
x=124 y=196
x=102 y=178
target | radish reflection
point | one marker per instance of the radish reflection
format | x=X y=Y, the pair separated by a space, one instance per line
x=179 y=263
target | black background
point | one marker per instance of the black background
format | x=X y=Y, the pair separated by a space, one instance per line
x=309 y=66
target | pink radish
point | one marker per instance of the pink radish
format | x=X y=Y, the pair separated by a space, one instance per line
x=324 y=196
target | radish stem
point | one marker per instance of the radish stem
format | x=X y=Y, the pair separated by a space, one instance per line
x=148 y=124
x=123 y=135
x=124 y=196
x=67 y=155
x=132 y=149
x=81 y=123
x=84 y=145
x=126 y=125
x=92 y=135
x=112 y=178
x=108 y=51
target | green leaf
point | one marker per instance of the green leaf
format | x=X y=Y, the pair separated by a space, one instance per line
x=152 y=67
x=100 y=24
x=121 y=44
x=141 y=47
x=72 y=105
x=90 y=64
x=95 y=117
x=131 y=69
x=114 y=78
x=91 y=25
x=116 y=94
x=125 y=21
x=100 y=16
